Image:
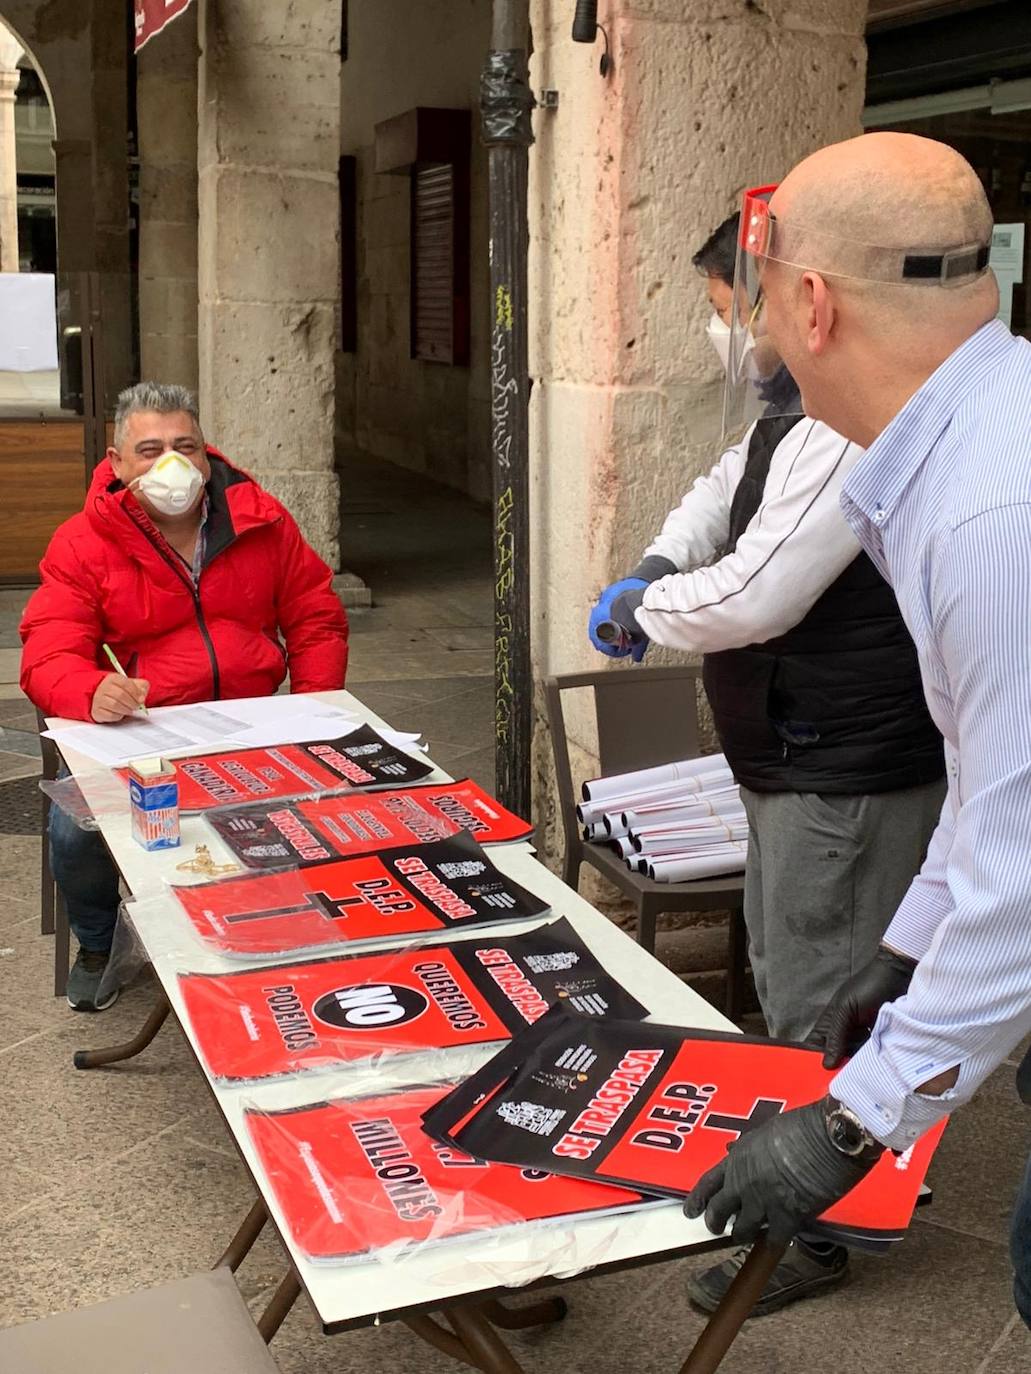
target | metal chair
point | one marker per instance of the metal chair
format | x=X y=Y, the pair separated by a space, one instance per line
x=197 y=1323
x=645 y=717
x=53 y=916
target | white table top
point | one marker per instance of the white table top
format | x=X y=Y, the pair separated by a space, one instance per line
x=355 y=1292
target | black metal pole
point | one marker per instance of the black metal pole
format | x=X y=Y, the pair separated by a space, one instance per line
x=505 y=103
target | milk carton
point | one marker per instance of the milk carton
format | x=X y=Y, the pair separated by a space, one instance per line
x=154 y=802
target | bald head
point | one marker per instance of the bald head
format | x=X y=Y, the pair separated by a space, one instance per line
x=889 y=190
x=841 y=311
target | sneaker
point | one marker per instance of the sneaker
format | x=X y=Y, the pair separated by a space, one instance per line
x=84 y=983
x=802 y=1273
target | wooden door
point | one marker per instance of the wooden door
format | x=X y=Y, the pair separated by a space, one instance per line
x=42 y=482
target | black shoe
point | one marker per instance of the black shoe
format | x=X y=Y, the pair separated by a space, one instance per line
x=802 y=1273
x=84 y=983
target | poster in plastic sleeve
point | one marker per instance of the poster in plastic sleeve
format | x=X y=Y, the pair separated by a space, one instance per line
x=355 y=1176
x=359 y=759
x=653 y=1107
x=410 y=890
x=311 y=832
x=264 y=1022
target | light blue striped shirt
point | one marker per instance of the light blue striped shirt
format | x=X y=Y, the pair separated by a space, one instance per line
x=942 y=503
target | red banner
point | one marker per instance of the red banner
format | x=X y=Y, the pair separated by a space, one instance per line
x=310 y=832
x=653 y=1107
x=403 y=891
x=359 y=759
x=284 y=1018
x=354 y=1176
x=152 y=16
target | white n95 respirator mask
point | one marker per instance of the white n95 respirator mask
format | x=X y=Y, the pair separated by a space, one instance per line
x=718 y=335
x=172 y=485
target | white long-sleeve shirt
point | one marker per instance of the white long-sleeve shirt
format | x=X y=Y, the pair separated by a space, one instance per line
x=794 y=547
x=942 y=503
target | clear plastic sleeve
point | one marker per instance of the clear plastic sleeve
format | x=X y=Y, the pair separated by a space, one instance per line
x=359 y=1180
x=108 y=797
x=280 y=1019
x=281 y=834
x=355 y=903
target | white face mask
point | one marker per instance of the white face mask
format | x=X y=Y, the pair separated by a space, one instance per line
x=172 y=485
x=719 y=336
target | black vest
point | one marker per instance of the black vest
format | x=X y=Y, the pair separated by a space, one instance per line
x=835 y=704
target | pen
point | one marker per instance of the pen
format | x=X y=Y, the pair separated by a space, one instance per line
x=119 y=669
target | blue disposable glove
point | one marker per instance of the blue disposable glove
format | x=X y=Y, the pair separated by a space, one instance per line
x=616 y=605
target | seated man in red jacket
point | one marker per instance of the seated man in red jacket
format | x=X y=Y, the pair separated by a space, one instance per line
x=202 y=585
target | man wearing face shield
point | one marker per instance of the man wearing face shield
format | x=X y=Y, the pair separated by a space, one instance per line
x=203 y=587
x=872 y=258
x=815 y=690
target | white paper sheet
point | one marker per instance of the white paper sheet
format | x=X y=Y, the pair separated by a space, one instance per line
x=248 y=722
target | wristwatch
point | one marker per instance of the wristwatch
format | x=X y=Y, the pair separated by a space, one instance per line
x=847 y=1133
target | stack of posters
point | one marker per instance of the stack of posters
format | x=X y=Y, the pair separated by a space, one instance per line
x=360 y=759
x=414 y=889
x=285 y=1018
x=652 y=1107
x=356 y=1176
x=675 y=822
x=310 y=832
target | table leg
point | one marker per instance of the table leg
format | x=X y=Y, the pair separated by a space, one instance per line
x=96 y=1059
x=278 y=1309
x=434 y=1334
x=488 y=1350
x=736 y=1306
x=240 y=1246
x=517 y=1318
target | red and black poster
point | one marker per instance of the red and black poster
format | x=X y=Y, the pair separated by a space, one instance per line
x=151 y=16
x=352 y=1176
x=311 y=832
x=283 y=1018
x=415 y=888
x=359 y=759
x=653 y=1107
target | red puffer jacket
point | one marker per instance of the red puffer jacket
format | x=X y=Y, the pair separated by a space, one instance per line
x=110 y=577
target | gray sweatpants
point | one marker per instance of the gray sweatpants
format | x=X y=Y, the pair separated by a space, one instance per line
x=825 y=874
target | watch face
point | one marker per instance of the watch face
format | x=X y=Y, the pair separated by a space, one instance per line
x=845 y=1135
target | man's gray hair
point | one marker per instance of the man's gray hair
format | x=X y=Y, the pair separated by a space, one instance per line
x=158 y=397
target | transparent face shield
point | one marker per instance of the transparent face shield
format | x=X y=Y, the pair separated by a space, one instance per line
x=758 y=382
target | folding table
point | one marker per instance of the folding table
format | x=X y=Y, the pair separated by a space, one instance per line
x=463 y=1279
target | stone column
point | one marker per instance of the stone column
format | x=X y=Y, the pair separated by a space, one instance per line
x=269 y=240
x=628 y=177
x=166 y=109
x=10 y=52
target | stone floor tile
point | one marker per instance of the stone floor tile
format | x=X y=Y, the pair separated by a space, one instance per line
x=384 y=663
x=18 y=911
x=477 y=764
x=10 y=664
x=464 y=719
x=995 y=1130
x=1011 y=1353
x=476 y=637
x=82 y=1120
x=165 y=1210
x=17 y=765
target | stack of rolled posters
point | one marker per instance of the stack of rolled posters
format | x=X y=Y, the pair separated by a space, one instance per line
x=672 y=823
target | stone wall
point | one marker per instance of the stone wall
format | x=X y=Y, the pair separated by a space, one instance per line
x=628 y=177
x=166 y=108
x=426 y=416
x=269 y=245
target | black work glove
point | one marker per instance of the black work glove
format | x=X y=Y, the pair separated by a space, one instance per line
x=779 y=1176
x=847 y=1019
